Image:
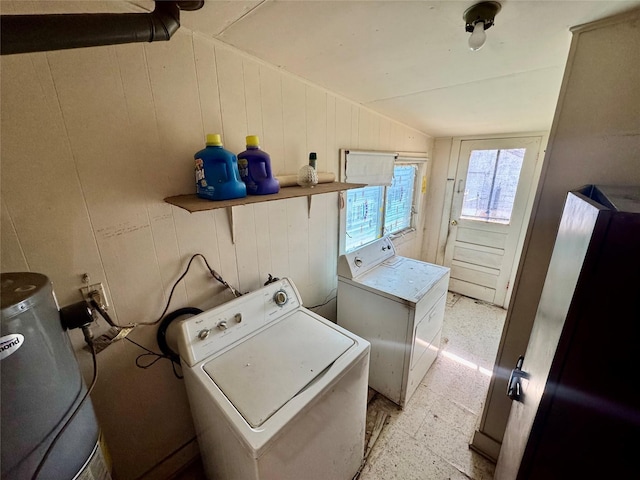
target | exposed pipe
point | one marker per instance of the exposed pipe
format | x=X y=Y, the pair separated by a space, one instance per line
x=39 y=33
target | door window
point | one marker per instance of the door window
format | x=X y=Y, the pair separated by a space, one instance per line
x=491 y=184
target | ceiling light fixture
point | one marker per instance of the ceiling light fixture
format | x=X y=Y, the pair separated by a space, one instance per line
x=477 y=20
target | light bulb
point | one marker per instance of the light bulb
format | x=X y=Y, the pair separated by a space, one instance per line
x=478 y=37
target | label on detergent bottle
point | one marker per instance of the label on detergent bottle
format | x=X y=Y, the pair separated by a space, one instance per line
x=243 y=167
x=10 y=343
x=201 y=182
x=199 y=171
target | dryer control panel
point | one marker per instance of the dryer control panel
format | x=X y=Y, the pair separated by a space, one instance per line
x=365 y=258
x=213 y=331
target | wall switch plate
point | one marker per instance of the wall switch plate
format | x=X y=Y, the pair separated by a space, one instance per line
x=101 y=298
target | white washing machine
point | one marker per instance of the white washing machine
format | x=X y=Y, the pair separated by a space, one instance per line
x=276 y=391
x=397 y=304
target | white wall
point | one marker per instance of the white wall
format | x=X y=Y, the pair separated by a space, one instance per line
x=595 y=139
x=93 y=140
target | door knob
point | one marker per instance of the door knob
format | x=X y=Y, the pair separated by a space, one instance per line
x=454 y=222
x=514 y=387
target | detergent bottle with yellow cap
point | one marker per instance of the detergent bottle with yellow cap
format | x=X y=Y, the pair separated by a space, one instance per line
x=255 y=169
x=217 y=176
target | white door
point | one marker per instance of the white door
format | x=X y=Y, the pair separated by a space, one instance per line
x=492 y=185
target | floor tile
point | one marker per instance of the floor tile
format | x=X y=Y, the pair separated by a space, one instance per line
x=405 y=458
x=459 y=382
x=452 y=445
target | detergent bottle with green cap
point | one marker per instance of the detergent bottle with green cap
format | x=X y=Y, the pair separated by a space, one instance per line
x=217 y=176
x=255 y=169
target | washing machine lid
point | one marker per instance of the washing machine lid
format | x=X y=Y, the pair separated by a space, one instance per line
x=260 y=375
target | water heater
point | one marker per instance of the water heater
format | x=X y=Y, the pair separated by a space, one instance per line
x=41 y=387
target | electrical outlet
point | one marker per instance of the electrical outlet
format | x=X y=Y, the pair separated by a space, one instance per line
x=91 y=290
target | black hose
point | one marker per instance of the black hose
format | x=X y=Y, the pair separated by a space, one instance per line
x=162 y=331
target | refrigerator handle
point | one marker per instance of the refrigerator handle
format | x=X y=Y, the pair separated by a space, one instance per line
x=514 y=387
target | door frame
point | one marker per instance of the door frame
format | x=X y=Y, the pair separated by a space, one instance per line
x=454 y=159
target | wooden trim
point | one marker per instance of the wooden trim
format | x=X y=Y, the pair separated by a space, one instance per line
x=628 y=16
x=485 y=446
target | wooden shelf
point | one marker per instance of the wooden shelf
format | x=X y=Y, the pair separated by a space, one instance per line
x=192 y=203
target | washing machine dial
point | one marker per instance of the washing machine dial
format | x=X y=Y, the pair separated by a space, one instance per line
x=280 y=297
x=222 y=325
x=202 y=334
x=357 y=262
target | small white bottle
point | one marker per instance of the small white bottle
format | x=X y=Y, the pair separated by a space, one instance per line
x=307 y=175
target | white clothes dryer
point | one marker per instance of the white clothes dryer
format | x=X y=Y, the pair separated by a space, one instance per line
x=397 y=304
x=276 y=391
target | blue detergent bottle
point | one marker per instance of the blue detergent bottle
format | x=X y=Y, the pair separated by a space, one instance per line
x=217 y=176
x=255 y=169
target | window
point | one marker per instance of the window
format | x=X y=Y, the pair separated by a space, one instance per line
x=492 y=181
x=372 y=212
x=364 y=216
x=399 y=199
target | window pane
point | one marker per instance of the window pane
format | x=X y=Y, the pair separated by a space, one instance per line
x=364 y=216
x=492 y=181
x=399 y=199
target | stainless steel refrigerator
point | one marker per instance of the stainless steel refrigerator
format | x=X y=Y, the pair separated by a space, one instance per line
x=576 y=390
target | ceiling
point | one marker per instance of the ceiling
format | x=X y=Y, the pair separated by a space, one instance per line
x=409 y=60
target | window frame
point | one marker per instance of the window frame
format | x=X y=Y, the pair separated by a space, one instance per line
x=418 y=161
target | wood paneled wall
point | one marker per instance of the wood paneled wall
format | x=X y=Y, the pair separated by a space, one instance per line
x=93 y=140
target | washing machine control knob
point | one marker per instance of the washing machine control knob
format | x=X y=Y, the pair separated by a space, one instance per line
x=203 y=334
x=222 y=325
x=280 y=297
x=357 y=261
